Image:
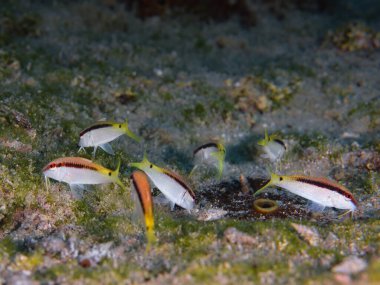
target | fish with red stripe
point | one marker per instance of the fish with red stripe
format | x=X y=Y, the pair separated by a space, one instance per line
x=101 y=133
x=320 y=190
x=142 y=196
x=273 y=147
x=210 y=154
x=78 y=171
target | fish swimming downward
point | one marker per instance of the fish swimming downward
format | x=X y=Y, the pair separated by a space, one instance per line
x=320 y=190
x=78 y=171
x=273 y=147
x=174 y=188
x=210 y=154
x=103 y=132
x=142 y=197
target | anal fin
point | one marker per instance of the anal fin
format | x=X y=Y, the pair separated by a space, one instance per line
x=77 y=190
x=315 y=207
x=107 y=148
x=172 y=205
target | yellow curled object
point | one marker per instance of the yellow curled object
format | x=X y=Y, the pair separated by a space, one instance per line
x=265 y=206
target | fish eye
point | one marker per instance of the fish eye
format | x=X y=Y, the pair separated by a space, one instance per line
x=119 y=126
x=281 y=178
x=151 y=166
x=109 y=173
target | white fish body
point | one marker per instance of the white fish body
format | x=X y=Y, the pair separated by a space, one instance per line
x=274 y=150
x=78 y=171
x=101 y=133
x=319 y=190
x=100 y=136
x=204 y=156
x=210 y=154
x=77 y=176
x=318 y=195
x=172 y=190
x=169 y=183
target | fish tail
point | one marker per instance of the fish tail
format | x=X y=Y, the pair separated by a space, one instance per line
x=269 y=183
x=121 y=185
x=220 y=167
x=130 y=133
x=221 y=147
x=117 y=170
x=264 y=141
x=220 y=157
x=150 y=235
x=140 y=165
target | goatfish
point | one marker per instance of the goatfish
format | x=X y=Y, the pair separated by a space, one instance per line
x=141 y=193
x=174 y=188
x=212 y=154
x=273 y=147
x=319 y=190
x=103 y=132
x=78 y=171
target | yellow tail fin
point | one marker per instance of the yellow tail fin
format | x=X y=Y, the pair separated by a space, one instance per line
x=151 y=238
x=220 y=157
x=264 y=141
x=130 y=133
x=269 y=183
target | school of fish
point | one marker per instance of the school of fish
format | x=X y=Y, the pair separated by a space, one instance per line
x=79 y=172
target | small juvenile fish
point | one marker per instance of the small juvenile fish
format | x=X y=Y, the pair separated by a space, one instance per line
x=78 y=171
x=320 y=190
x=169 y=183
x=212 y=154
x=273 y=147
x=141 y=192
x=101 y=133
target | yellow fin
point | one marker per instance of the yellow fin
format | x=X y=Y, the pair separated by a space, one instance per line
x=273 y=178
x=220 y=157
x=140 y=165
x=265 y=140
x=151 y=238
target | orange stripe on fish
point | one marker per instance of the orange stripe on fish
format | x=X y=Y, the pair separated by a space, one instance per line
x=141 y=185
